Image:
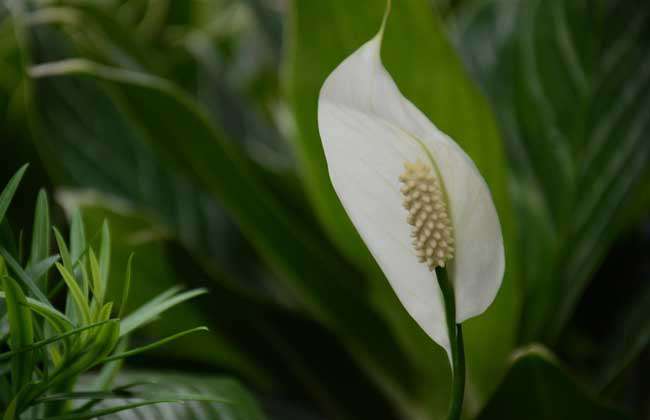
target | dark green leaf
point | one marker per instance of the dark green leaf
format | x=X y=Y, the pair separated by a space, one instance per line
x=23 y=277
x=154 y=345
x=536 y=388
x=239 y=403
x=9 y=190
x=40 y=249
x=21 y=333
x=570 y=82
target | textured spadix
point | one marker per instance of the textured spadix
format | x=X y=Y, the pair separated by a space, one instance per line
x=369 y=131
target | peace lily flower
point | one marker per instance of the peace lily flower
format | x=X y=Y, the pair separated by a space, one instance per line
x=416 y=198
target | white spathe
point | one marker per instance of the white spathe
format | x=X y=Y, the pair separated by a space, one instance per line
x=369 y=130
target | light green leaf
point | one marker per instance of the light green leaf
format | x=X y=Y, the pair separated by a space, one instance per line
x=63 y=250
x=98 y=287
x=151 y=310
x=81 y=301
x=50 y=340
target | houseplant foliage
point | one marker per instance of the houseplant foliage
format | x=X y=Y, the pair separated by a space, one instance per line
x=48 y=350
x=192 y=127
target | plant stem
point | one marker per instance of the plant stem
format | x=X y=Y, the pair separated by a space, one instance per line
x=457 y=346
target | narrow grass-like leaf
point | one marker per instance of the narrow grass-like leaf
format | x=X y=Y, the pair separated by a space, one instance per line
x=109 y=371
x=81 y=301
x=50 y=340
x=86 y=395
x=9 y=191
x=40 y=248
x=150 y=311
x=64 y=252
x=77 y=249
x=152 y=346
x=21 y=333
x=23 y=277
x=77 y=236
x=112 y=410
x=105 y=254
x=127 y=286
x=41 y=268
x=58 y=321
x=96 y=278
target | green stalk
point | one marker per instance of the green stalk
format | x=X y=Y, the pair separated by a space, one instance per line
x=457 y=346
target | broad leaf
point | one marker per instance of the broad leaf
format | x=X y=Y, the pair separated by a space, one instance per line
x=238 y=403
x=536 y=388
x=570 y=82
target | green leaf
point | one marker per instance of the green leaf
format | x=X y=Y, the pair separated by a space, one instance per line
x=21 y=333
x=77 y=236
x=627 y=342
x=151 y=310
x=326 y=288
x=41 y=268
x=126 y=288
x=77 y=256
x=40 y=249
x=238 y=403
x=50 y=340
x=105 y=255
x=570 y=83
x=536 y=388
x=55 y=318
x=81 y=301
x=154 y=345
x=99 y=288
x=63 y=250
x=150 y=274
x=9 y=190
x=24 y=277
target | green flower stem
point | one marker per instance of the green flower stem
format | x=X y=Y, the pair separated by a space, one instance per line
x=457 y=346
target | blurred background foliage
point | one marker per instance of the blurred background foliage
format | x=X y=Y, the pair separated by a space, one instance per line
x=191 y=127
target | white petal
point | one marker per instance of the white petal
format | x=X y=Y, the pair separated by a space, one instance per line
x=369 y=130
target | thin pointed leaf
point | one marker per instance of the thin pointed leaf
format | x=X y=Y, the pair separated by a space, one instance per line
x=96 y=277
x=64 y=252
x=9 y=191
x=81 y=301
x=21 y=333
x=41 y=268
x=105 y=254
x=40 y=248
x=150 y=311
x=152 y=346
x=23 y=277
x=37 y=345
x=127 y=286
x=77 y=236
